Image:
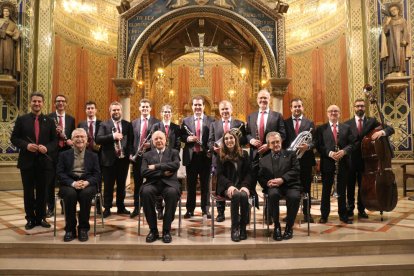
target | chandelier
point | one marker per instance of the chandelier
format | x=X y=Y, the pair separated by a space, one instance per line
x=76 y=6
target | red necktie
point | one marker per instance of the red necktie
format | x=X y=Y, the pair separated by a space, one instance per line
x=90 y=132
x=335 y=133
x=226 y=126
x=118 y=150
x=61 y=140
x=166 y=130
x=143 y=132
x=261 y=127
x=198 y=127
x=297 y=126
x=37 y=129
x=359 y=126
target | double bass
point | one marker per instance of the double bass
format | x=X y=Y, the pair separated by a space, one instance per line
x=379 y=189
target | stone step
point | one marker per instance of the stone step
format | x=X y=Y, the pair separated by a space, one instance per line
x=10 y=178
x=398 y=264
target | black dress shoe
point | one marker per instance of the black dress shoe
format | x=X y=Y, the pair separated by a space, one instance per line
x=346 y=220
x=207 y=214
x=362 y=215
x=69 y=236
x=160 y=214
x=123 y=211
x=188 y=215
x=220 y=217
x=235 y=234
x=323 y=220
x=350 y=214
x=310 y=219
x=243 y=233
x=50 y=213
x=43 y=223
x=152 y=236
x=288 y=233
x=106 y=213
x=30 y=225
x=83 y=235
x=166 y=237
x=277 y=233
x=134 y=213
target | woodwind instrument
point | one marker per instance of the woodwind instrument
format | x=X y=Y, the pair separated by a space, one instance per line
x=62 y=132
x=258 y=138
x=335 y=186
x=140 y=150
x=118 y=145
x=192 y=134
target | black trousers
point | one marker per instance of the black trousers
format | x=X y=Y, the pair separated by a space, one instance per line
x=239 y=209
x=116 y=173
x=199 y=166
x=292 y=196
x=50 y=188
x=35 y=181
x=71 y=197
x=327 y=182
x=306 y=181
x=138 y=180
x=354 y=175
x=149 y=194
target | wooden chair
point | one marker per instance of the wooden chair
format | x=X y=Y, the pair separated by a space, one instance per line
x=406 y=176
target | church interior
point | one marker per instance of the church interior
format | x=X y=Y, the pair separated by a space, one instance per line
x=321 y=51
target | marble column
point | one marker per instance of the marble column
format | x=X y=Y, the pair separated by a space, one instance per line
x=278 y=88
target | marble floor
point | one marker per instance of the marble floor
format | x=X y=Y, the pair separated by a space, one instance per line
x=398 y=224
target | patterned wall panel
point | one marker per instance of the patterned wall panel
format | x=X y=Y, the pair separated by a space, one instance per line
x=332 y=74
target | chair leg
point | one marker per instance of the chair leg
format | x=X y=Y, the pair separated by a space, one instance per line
x=179 y=217
x=100 y=207
x=213 y=205
x=54 y=217
x=254 y=216
x=268 y=214
x=94 y=216
x=308 y=212
x=139 y=216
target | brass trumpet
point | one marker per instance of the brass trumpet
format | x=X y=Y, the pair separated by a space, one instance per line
x=118 y=145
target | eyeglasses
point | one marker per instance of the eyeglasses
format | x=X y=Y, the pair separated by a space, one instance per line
x=333 y=111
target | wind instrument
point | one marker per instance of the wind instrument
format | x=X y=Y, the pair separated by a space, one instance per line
x=140 y=150
x=305 y=137
x=335 y=186
x=235 y=130
x=118 y=145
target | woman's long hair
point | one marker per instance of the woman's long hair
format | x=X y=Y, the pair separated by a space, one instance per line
x=231 y=155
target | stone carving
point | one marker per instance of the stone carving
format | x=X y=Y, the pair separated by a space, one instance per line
x=176 y=4
x=9 y=36
x=123 y=7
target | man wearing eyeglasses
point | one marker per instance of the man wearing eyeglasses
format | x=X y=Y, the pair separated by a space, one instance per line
x=334 y=142
x=360 y=125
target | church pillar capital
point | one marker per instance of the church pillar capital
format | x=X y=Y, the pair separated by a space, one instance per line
x=278 y=86
x=125 y=89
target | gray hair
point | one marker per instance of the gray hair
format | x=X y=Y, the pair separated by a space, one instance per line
x=273 y=134
x=79 y=130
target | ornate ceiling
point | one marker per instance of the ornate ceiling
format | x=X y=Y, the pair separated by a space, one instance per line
x=308 y=23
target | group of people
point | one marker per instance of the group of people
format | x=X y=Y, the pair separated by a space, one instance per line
x=104 y=150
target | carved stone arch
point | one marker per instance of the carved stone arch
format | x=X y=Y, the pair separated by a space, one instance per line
x=126 y=64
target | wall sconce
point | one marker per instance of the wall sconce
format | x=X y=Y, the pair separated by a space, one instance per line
x=263 y=78
x=243 y=73
x=160 y=73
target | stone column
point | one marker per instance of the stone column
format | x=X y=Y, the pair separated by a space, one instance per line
x=278 y=90
x=125 y=89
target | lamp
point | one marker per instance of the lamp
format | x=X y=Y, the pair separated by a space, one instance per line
x=263 y=79
x=243 y=70
x=232 y=90
x=171 y=92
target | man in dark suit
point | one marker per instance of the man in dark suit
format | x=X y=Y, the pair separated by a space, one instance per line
x=79 y=175
x=173 y=137
x=279 y=177
x=34 y=134
x=361 y=126
x=91 y=126
x=65 y=124
x=196 y=156
x=115 y=137
x=334 y=142
x=294 y=125
x=142 y=143
x=159 y=168
x=217 y=130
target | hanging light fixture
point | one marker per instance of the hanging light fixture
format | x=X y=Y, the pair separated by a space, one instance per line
x=263 y=79
x=243 y=70
x=171 y=92
x=76 y=6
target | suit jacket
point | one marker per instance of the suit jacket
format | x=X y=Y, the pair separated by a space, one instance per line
x=69 y=126
x=189 y=146
x=136 y=126
x=308 y=158
x=85 y=126
x=217 y=131
x=286 y=166
x=368 y=125
x=174 y=134
x=325 y=143
x=274 y=123
x=228 y=175
x=24 y=134
x=170 y=161
x=106 y=140
x=64 y=168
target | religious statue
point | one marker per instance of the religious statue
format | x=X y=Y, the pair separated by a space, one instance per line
x=9 y=36
x=123 y=6
x=395 y=39
x=178 y=4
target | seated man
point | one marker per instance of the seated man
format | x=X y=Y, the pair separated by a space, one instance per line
x=279 y=176
x=159 y=168
x=79 y=175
